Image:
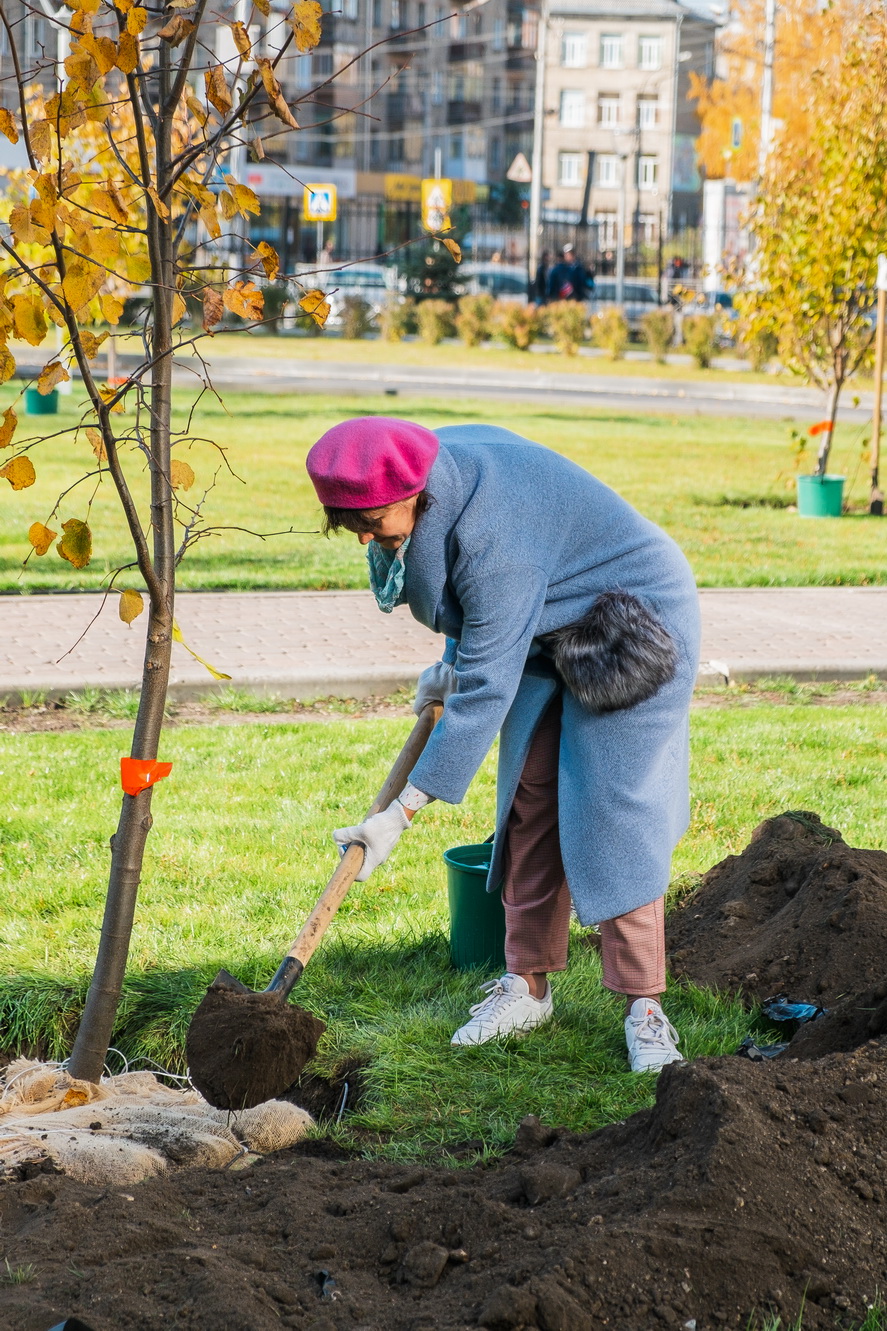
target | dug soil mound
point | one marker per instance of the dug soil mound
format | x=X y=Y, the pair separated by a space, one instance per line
x=846 y=1026
x=747 y=1185
x=799 y=911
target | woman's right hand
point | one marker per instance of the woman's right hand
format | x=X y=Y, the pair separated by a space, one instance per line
x=435 y=685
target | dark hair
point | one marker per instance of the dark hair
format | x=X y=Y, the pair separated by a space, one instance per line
x=361 y=520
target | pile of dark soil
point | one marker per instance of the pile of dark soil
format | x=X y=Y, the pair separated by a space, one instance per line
x=799 y=911
x=746 y=1185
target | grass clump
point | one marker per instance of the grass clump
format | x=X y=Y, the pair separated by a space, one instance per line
x=609 y=330
x=241 y=849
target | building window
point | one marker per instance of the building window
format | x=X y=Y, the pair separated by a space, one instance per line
x=648 y=223
x=395 y=13
x=349 y=8
x=574 y=50
x=322 y=64
x=437 y=87
x=499 y=34
x=569 y=169
x=607 y=109
x=495 y=156
x=606 y=230
x=648 y=172
x=650 y=53
x=611 y=51
x=529 y=29
x=608 y=170
x=456 y=148
x=572 y=108
x=648 y=112
x=496 y=96
x=377 y=13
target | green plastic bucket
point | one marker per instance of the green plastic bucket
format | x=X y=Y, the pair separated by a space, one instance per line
x=820 y=496
x=39 y=404
x=477 y=917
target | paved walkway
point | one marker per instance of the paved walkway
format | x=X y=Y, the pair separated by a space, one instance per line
x=314 y=644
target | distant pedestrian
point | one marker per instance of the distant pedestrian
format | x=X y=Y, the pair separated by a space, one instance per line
x=567 y=279
x=540 y=279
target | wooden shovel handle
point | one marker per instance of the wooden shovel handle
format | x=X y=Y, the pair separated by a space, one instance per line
x=351 y=862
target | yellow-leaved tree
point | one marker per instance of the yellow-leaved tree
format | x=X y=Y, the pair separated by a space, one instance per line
x=128 y=188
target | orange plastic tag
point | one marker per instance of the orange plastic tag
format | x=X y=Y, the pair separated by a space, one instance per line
x=820 y=427
x=137 y=774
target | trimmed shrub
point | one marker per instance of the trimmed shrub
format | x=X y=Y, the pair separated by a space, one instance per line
x=567 y=324
x=397 y=319
x=609 y=329
x=700 y=338
x=473 y=322
x=436 y=320
x=760 y=347
x=516 y=324
x=658 y=329
x=357 y=317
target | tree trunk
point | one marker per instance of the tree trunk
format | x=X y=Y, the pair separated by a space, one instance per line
x=826 y=445
x=128 y=843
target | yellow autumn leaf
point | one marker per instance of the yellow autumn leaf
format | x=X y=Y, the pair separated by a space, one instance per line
x=97 y=443
x=112 y=308
x=227 y=205
x=209 y=218
x=127 y=53
x=7 y=364
x=103 y=243
x=247 y=200
x=270 y=259
x=274 y=92
x=217 y=92
x=453 y=248
x=76 y=543
x=41 y=537
x=178 y=308
x=74 y=1098
x=306 y=21
x=81 y=282
x=109 y=203
x=131 y=605
x=244 y=299
x=30 y=318
x=21 y=224
x=91 y=343
x=7 y=429
x=160 y=206
x=241 y=40
x=40 y=134
x=197 y=109
x=177 y=637
x=213 y=309
x=136 y=20
x=51 y=374
x=19 y=472
x=263 y=6
x=316 y=304
x=177 y=30
x=108 y=393
x=8 y=125
x=181 y=475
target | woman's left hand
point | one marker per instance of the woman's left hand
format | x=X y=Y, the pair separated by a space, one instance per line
x=378 y=835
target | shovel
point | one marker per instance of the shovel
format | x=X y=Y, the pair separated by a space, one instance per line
x=245 y=1047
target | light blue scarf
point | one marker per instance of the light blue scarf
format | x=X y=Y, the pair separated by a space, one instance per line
x=387 y=573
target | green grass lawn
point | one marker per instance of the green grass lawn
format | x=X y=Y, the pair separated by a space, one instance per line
x=719 y=486
x=241 y=849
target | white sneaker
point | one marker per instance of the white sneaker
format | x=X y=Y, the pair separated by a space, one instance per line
x=652 y=1040
x=508 y=1009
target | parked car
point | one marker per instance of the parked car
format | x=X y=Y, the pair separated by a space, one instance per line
x=371 y=281
x=639 y=299
x=502 y=281
x=720 y=304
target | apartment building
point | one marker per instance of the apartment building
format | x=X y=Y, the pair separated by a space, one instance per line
x=619 y=128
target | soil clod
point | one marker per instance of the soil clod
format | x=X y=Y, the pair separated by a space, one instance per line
x=246 y=1048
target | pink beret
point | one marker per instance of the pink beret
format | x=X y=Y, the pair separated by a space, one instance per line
x=371 y=461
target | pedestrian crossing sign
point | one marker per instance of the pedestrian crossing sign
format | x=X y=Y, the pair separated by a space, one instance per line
x=319 y=203
x=437 y=199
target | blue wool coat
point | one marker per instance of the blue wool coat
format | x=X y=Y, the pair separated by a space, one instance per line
x=518 y=541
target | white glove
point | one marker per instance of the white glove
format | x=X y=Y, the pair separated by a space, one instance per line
x=435 y=685
x=378 y=835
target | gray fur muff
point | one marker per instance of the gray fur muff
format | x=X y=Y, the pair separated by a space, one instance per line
x=616 y=656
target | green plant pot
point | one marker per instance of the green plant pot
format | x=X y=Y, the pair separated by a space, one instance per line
x=820 y=496
x=38 y=404
x=477 y=917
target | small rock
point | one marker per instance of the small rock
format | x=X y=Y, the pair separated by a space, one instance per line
x=508 y=1309
x=322 y=1252
x=407 y=1181
x=423 y=1265
x=532 y=1135
x=666 y=1314
x=543 y=1183
x=558 y=1310
x=863 y=1189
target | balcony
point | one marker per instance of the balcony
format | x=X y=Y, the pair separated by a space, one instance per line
x=463 y=113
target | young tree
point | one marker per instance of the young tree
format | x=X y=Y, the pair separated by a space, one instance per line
x=820 y=219
x=129 y=188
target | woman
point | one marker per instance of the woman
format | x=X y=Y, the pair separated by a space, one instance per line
x=572 y=629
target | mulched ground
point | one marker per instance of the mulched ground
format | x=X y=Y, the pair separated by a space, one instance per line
x=749 y=1186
